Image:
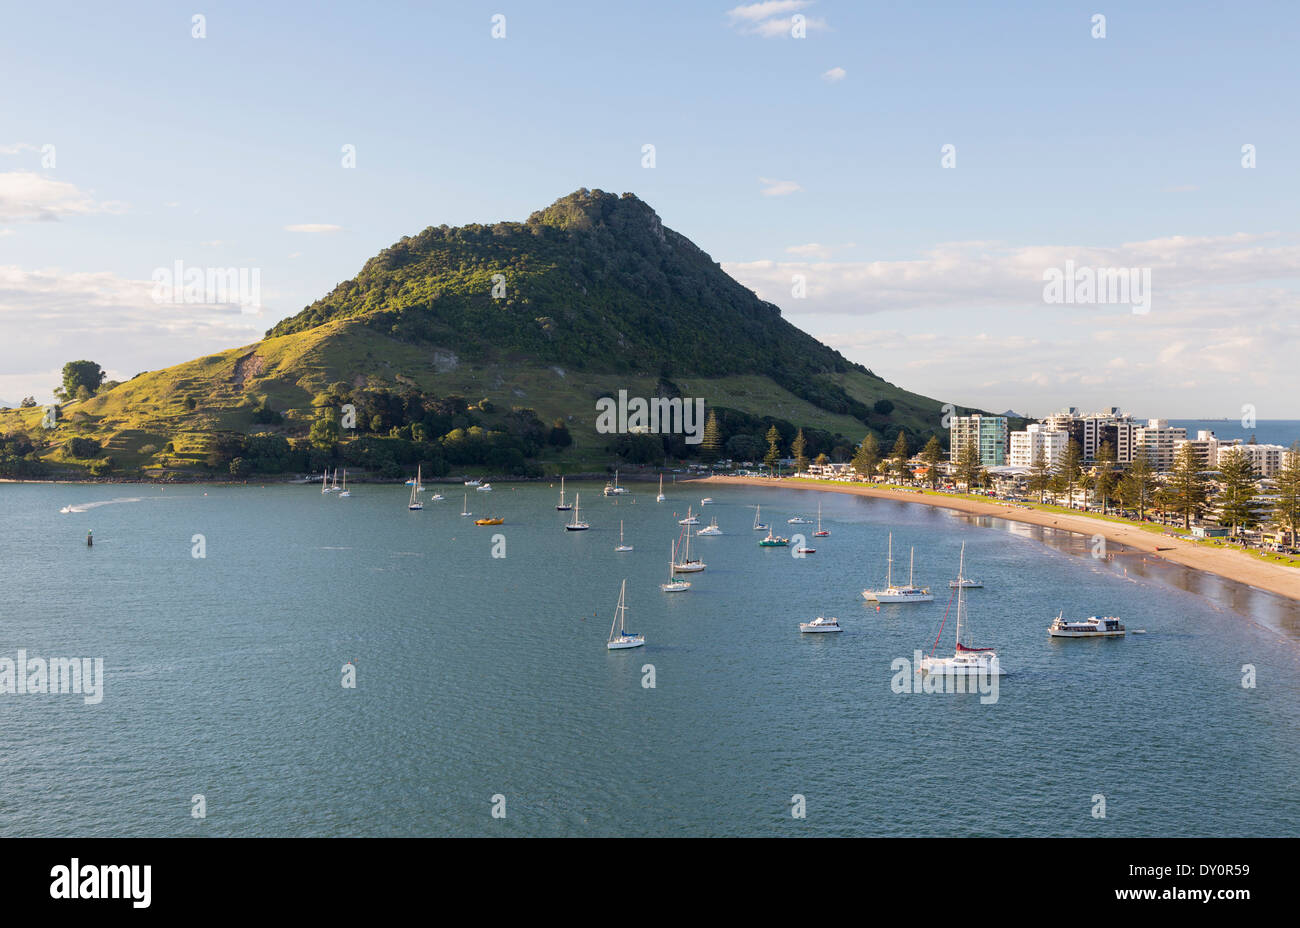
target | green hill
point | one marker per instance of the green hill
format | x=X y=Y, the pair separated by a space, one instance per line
x=462 y=347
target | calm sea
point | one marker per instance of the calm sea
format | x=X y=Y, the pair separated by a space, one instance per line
x=1265 y=431
x=481 y=676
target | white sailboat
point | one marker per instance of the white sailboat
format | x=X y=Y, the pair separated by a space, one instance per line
x=690 y=518
x=674 y=585
x=898 y=594
x=464 y=507
x=576 y=524
x=621 y=546
x=759 y=526
x=688 y=564
x=967 y=661
x=562 y=506
x=346 y=491
x=325 y=481
x=613 y=489
x=624 y=638
x=820 y=533
x=711 y=529
x=660 y=498
x=414 y=504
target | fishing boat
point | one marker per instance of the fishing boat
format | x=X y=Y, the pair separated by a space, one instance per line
x=464 y=509
x=493 y=521
x=712 y=528
x=674 y=585
x=346 y=491
x=773 y=541
x=898 y=594
x=562 y=506
x=660 y=498
x=820 y=624
x=820 y=533
x=576 y=524
x=621 y=546
x=688 y=564
x=1105 y=626
x=624 y=638
x=613 y=489
x=414 y=504
x=967 y=661
x=967 y=583
x=759 y=526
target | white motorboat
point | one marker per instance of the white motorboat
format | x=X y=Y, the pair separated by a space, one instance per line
x=485 y=488
x=711 y=529
x=966 y=584
x=820 y=624
x=1103 y=626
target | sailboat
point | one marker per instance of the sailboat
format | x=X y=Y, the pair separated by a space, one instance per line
x=966 y=661
x=674 y=585
x=712 y=528
x=688 y=565
x=414 y=503
x=325 y=481
x=621 y=546
x=464 y=507
x=898 y=594
x=613 y=489
x=576 y=524
x=820 y=533
x=690 y=518
x=562 y=506
x=660 y=498
x=759 y=526
x=346 y=491
x=624 y=638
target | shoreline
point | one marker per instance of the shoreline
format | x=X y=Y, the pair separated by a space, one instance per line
x=1231 y=565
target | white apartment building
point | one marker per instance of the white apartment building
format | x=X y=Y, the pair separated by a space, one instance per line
x=1206 y=447
x=1026 y=445
x=1267 y=459
x=1158 y=439
x=987 y=433
x=1092 y=430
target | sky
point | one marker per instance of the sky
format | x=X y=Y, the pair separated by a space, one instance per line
x=813 y=168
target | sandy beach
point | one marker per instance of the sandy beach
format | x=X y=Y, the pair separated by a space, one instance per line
x=1234 y=565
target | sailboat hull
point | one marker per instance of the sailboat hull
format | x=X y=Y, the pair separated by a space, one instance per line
x=889 y=596
x=622 y=644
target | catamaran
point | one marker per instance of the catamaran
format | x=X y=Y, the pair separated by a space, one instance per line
x=414 y=504
x=688 y=564
x=967 y=661
x=820 y=624
x=613 y=489
x=562 y=506
x=621 y=546
x=660 y=498
x=346 y=491
x=464 y=508
x=674 y=585
x=576 y=524
x=759 y=526
x=712 y=528
x=898 y=594
x=624 y=638
x=1105 y=626
x=820 y=533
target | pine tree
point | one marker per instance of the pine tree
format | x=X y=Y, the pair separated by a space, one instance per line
x=1286 y=505
x=1068 y=470
x=798 y=451
x=1186 y=486
x=1040 y=475
x=1137 y=486
x=933 y=456
x=1104 y=481
x=899 y=455
x=867 y=456
x=711 y=441
x=773 y=448
x=968 y=465
x=1238 y=499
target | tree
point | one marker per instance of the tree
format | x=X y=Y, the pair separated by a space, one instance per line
x=798 y=450
x=82 y=447
x=822 y=460
x=967 y=467
x=932 y=454
x=867 y=456
x=325 y=430
x=28 y=402
x=883 y=407
x=711 y=441
x=1137 y=486
x=1286 y=505
x=1104 y=479
x=1069 y=468
x=1040 y=474
x=1186 y=487
x=80 y=379
x=559 y=435
x=1238 y=499
x=899 y=457
x=773 y=448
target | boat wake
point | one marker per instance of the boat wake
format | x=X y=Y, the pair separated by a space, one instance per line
x=84 y=507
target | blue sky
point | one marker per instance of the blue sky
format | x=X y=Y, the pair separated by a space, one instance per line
x=1117 y=151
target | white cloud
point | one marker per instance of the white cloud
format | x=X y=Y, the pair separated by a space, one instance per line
x=772 y=19
x=834 y=75
x=14 y=148
x=778 y=188
x=30 y=197
x=313 y=227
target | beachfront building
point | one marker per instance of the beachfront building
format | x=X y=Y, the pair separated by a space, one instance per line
x=1267 y=459
x=1157 y=440
x=988 y=433
x=1205 y=446
x=1092 y=430
x=1036 y=439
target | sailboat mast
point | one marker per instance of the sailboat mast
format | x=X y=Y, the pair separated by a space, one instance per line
x=911 y=569
x=961 y=571
x=889 y=563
